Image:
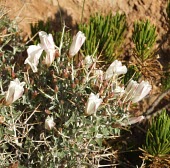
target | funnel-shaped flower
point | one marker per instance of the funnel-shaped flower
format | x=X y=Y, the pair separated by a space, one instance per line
x=133 y=120
x=92 y=104
x=130 y=90
x=77 y=42
x=48 y=45
x=115 y=68
x=34 y=53
x=49 y=123
x=142 y=90
x=136 y=92
x=15 y=91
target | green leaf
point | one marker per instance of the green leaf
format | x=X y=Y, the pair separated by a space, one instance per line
x=144 y=37
x=157 y=138
x=107 y=31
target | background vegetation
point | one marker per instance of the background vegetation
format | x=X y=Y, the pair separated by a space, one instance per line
x=78 y=140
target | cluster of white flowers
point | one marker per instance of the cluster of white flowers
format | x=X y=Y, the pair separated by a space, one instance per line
x=47 y=44
x=134 y=92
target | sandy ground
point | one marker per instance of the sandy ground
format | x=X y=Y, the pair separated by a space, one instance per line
x=30 y=11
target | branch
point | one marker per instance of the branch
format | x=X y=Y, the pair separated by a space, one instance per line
x=159 y=98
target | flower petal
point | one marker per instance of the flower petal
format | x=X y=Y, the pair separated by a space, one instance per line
x=34 y=53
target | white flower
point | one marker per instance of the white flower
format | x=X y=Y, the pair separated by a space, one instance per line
x=46 y=41
x=49 y=123
x=92 y=104
x=133 y=120
x=77 y=42
x=142 y=90
x=15 y=91
x=34 y=53
x=115 y=68
x=136 y=92
x=88 y=61
x=130 y=90
x=131 y=87
x=48 y=45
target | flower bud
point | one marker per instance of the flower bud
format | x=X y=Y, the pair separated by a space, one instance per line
x=2 y=119
x=105 y=100
x=47 y=111
x=56 y=89
x=77 y=42
x=88 y=61
x=15 y=91
x=111 y=94
x=65 y=73
x=133 y=120
x=62 y=102
x=77 y=81
x=92 y=104
x=49 y=123
x=52 y=72
x=105 y=83
x=57 y=54
x=142 y=90
x=73 y=85
x=34 y=94
x=101 y=91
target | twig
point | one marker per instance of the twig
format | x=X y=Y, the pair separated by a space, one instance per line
x=31 y=38
x=61 y=41
x=157 y=112
x=32 y=114
x=159 y=98
x=6 y=35
x=110 y=165
x=14 y=128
